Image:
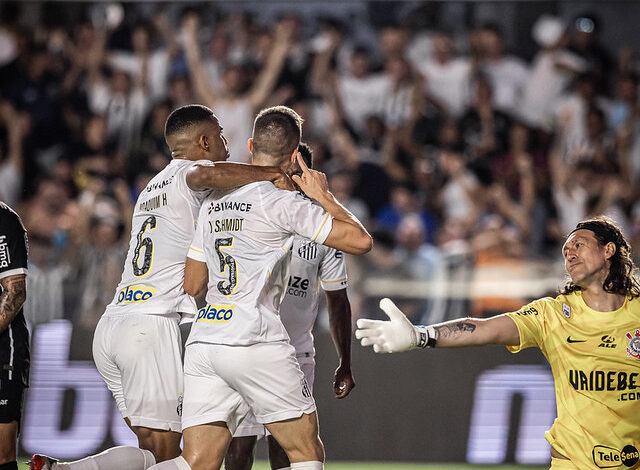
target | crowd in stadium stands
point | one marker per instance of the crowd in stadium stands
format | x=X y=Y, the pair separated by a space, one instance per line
x=453 y=151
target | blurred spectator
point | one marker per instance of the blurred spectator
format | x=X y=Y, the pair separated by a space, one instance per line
x=507 y=73
x=447 y=76
x=11 y=156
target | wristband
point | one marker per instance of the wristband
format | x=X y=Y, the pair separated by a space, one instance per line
x=425 y=337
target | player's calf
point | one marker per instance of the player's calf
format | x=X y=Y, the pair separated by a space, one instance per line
x=299 y=438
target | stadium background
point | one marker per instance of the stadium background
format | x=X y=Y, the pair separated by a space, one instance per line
x=468 y=136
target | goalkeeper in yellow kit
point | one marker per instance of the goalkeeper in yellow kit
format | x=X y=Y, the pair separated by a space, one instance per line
x=590 y=334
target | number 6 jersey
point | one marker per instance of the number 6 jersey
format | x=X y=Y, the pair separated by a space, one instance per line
x=245 y=237
x=162 y=228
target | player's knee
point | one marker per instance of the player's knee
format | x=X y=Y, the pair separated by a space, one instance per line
x=7 y=454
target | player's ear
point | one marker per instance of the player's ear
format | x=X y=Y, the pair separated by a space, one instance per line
x=203 y=142
x=294 y=156
x=250 y=145
x=609 y=250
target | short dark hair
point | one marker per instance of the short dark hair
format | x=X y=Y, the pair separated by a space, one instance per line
x=306 y=153
x=185 y=117
x=621 y=279
x=277 y=132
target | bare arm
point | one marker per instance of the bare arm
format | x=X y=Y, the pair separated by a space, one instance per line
x=266 y=80
x=340 y=323
x=224 y=175
x=204 y=91
x=347 y=233
x=500 y=329
x=196 y=277
x=14 y=293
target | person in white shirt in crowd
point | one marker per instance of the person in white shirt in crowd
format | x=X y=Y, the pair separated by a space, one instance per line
x=507 y=73
x=447 y=76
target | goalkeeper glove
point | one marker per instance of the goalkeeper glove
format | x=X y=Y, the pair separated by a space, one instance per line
x=396 y=335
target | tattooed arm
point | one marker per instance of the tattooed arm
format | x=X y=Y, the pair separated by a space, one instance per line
x=475 y=332
x=14 y=293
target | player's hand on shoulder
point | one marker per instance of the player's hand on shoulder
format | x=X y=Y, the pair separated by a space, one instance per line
x=313 y=183
x=396 y=335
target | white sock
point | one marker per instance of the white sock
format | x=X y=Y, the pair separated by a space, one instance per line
x=116 y=458
x=311 y=465
x=178 y=463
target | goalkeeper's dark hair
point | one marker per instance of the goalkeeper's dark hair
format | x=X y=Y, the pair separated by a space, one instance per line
x=186 y=116
x=306 y=153
x=276 y=132
x=622 y=277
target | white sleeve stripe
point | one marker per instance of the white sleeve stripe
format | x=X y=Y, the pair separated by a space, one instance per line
x=321 y=225
x=13 y=272
x=329 y=282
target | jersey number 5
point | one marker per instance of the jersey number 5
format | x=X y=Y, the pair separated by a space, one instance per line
x=227 y=260
x=147 y=244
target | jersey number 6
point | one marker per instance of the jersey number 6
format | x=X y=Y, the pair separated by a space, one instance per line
x=227 y=260
x=147 y=243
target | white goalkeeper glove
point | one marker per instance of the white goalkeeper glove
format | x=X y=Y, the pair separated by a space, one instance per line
x=396 y=335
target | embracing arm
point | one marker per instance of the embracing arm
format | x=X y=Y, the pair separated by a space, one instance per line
x=340 y=323
x=347 y=233
x=196 y=277
x=226 y=175
x=398 y=334
x=14 y=293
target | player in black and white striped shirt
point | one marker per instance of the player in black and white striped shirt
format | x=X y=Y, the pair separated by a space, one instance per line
x=14 y=336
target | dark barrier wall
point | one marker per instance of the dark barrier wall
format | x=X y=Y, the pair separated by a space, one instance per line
x=481 y=405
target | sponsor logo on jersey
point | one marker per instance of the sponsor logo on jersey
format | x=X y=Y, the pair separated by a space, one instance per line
x=633 y=348
x=572 y=340
x=215 y=314
x=135 y=294
x=608 y=341
x=298 y=287
x=528 y=311
x=600 y=380
x=308 y=251
x=159 y=184
x=5 y=260
x=566 y=310
x=229 y=206
x=608 y=457
x=4 y=402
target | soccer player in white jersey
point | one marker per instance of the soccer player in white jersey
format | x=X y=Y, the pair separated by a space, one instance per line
x=238 y=356
x=137 y=347
x=312 y=266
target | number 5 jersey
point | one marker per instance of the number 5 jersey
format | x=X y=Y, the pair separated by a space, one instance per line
x=162 y=228
x=245 y=238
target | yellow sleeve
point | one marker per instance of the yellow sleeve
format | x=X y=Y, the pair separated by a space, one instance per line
x=531 y=321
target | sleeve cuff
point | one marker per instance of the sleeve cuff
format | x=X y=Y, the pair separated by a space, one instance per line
x=323 y=231
x=196 y=254
x=13 y=272
x=338 y=284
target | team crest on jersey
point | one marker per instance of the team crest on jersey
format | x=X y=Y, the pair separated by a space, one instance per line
x=308 y=251
x=633 y=348
x=566 y=310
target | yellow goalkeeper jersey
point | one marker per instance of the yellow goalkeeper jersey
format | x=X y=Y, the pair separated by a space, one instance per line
x=595 y=361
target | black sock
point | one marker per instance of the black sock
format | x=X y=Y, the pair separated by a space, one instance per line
x=9 y=466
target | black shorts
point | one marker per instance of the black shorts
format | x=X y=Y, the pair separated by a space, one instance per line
x=11 y=399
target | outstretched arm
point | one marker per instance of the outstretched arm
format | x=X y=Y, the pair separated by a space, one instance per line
x=226 y=175
x=204 y=90
x=347 y=233
x=398 y=334
x=340 y=323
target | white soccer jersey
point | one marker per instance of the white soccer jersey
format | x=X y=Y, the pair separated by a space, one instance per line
x=245 y=237
x=162 y=229
x=312 y=265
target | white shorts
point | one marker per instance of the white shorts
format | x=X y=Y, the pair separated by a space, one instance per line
x=222 y=383
x=250 y=426
x=140 y=359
